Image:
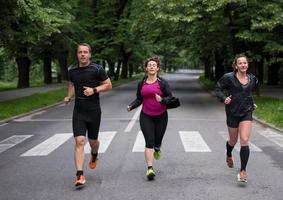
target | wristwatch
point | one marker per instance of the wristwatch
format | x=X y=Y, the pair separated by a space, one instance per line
x=94 y=90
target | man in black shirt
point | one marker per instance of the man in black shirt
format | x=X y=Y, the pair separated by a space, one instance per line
x=86 y=81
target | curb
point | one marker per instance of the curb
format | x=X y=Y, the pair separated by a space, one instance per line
x=266 y=124
x=28 y=113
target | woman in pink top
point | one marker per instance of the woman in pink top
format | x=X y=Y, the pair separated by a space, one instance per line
x=153 y=92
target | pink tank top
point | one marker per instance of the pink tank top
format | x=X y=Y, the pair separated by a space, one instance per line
x=150 y=106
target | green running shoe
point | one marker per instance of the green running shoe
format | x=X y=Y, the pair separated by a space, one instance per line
x=157 y=155
x=150 y=174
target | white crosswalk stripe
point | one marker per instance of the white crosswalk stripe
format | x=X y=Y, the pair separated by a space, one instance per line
x=12 y=141
x=139 y=143
x=49 y=145
x=252 y=146
x=272 y=136
x=193 y=142
x=105 y=138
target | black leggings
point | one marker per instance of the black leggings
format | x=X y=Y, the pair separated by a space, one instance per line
x=153 y=128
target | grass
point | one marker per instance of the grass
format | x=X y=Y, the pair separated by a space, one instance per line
x=269 y=109
x=21 y=105
x=26 y=104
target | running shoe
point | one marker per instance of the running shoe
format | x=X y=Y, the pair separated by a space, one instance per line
x=229 y=161
x=242 y=176
x=93 y=162
x=80 y=181
x=157 y=155
x=150 y=174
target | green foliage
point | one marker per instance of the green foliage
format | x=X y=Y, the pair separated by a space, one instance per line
x=27 y=104
x=210 y=85
x=270 y=110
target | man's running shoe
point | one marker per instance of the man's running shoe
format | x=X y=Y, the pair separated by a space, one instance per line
x=157 y=155
x=150 y=174
x=242 y=176
x=80 y=181
x=229 y=161
x=93 y=161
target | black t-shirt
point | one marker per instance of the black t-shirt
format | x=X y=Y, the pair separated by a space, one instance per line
x=89 y=76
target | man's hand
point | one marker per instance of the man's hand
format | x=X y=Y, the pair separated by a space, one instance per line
x=67 y=100
x=88 y=91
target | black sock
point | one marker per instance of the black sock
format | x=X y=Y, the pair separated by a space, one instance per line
x=149 y=167
x=244 y=155
x=229 y=149
x=80 y=172
x=157 y=149
x=94 y=156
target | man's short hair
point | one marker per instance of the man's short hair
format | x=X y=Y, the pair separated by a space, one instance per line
x=84 y=44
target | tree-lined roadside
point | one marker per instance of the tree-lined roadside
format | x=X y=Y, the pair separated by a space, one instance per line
x=40 y=36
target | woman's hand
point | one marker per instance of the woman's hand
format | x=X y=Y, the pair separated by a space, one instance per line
x=158 y=98
x=228 y=100
x=128 y=108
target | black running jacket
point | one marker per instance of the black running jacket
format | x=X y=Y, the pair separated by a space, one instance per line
x=242 y=100
x=164 y=86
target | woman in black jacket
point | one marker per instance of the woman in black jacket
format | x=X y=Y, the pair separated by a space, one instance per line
x=153 y=93
x=235 y=90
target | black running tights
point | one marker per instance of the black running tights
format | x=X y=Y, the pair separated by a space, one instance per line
x=153 y=129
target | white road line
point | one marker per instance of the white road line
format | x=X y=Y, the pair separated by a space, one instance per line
x=29 y=117
x=193 y=142
x=133 y=120
x=48 y=145
x=139 y=143
x=105 y=138
x=3 y=124
x=272 y=136
x=12 y=141
x=252 y=146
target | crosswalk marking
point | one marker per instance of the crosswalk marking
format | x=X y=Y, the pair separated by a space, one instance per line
x=193 y=142
x=237 y=146
x=139 y=143
x=12 y=141
x=133 y=120
x=272 y=136
x=48 y=145
x=105 y=139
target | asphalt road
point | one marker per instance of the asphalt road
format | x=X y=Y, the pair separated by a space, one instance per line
x=36 y=153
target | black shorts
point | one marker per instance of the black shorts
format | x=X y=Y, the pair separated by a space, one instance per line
x=86 y=121
x=234 y=122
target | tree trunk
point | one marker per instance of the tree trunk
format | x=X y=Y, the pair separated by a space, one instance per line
x=126 y=58
x=273 y=71
x=47 y=67
x=219 y=67
x=62 y=59
x=23 y=63
x=117 y=73
x=207 y=69
x=131 y=70
x=111 y=66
